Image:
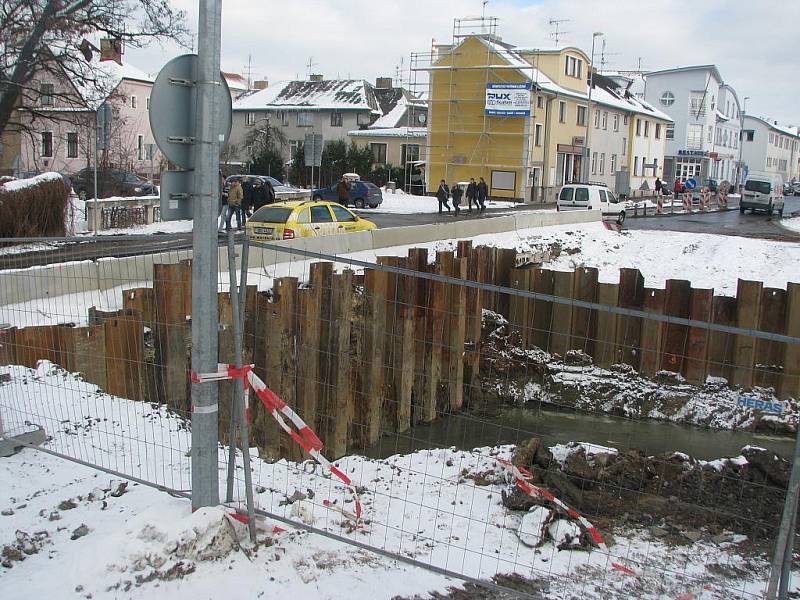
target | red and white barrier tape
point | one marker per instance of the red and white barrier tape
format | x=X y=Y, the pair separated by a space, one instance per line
x=299 y=431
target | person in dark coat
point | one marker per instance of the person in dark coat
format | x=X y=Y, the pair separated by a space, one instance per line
x=343 y=192
x=456 y=192
x=472 y=194
x=248 y=196
x=659 y=185
x=442 y=194
x=259 y=194
x=483 y=193
x=269 y=191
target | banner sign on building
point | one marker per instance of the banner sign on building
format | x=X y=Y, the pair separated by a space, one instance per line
x=508 y=99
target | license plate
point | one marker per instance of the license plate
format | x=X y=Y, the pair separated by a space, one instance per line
x=264 y=230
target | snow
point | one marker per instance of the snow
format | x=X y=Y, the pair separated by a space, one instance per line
x=793 y=223
x=563 y=451
x=21 y=184
x=392 y=118
x=401 y=203
x=398 y=132
x=140 y=543
x=318 y=95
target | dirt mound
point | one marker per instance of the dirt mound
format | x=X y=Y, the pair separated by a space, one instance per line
x=743 y=494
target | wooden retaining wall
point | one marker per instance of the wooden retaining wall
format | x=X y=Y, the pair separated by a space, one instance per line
x=361 y=355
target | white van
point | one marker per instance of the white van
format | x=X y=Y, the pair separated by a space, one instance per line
x=585 y=196
x=762 y=191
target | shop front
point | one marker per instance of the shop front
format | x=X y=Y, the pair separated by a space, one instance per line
x=569 y=164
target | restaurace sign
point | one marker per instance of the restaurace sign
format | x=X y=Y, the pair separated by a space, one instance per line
x=508 y=99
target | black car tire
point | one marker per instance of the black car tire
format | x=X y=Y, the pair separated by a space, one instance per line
x=359 y=203
x=373 y=206
x=621 y=218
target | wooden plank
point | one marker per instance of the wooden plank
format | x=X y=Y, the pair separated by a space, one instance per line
x=142 y=300
x=677 y=303
x=652 y=333
x=540 y=312
x=124 y=337
x=790 y=382
x=404 y=351
x=748 y=310
x=434 y=340
x=629 y=329
x=185 y=268
x=519 y=279
x=458 y=329
x=722 y=346
x=485 y=267
x=8 y=346
x=695 y=367
x=561 y=319
x=327 y=325
x=584 y=320
x=285 y=291
x=606 y=330
x=392 y=309
x=472 y=355
x=418 y=261
x=169 y=336
x=225 y=354
x=309 y=342
x=340 y=408
x=769 y=354
x=261 y=423
x=84 y=352
x=369 y=413
x=505 y=259
x=35 y=343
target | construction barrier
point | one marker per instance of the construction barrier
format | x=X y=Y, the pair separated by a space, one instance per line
x=687 y=201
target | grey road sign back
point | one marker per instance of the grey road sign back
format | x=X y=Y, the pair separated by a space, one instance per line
x=175 y=201
x=312 y=149
x=103 y=129
x=173 y=109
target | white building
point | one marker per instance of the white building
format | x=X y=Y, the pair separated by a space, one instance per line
x=704 y=140
x=768 y=146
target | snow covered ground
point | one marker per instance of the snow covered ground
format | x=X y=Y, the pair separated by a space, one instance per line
x=68 y=531
x=402 y=203
x=793 y=223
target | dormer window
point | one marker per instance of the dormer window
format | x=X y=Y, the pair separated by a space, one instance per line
x=573 y=67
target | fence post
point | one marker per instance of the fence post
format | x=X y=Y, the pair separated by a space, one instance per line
x=780 y=569
x=790 y=384
x=697 y=347
x=748 y=308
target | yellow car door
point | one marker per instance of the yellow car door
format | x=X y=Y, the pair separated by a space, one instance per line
x=322 y=221
x=346 y=222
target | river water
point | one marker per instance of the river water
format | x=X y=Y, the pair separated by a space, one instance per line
x=510 y=425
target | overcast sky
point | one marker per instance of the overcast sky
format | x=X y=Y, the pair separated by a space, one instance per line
x=755 y=43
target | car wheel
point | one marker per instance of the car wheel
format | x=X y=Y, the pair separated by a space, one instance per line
x=359 y=203
x=621 y=218
x=317 y=198
x=373 y=206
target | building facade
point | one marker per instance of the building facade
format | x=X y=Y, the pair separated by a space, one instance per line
x=768 y=146
x=703 y=142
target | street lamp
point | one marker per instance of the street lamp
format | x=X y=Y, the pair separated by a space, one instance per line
x=741 y=139
x=587 y=158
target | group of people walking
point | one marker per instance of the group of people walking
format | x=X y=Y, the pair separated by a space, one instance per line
x=476 y=192
x=243 y=199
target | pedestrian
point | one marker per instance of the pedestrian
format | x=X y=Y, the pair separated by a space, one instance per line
x=269 y=191
x=472 y=194
x=442 y=194
x=678 y=187
x=343 y=192
x=659 y=185
x=483 y=193
x=247 y=195
x=456 y=192
x=235 y=196
x=223 y=204
x=259 y=194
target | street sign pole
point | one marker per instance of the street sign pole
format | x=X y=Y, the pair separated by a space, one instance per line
x=205 y=322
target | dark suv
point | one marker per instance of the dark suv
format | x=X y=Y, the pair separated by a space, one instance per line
x=362 y=193
x=111 y=182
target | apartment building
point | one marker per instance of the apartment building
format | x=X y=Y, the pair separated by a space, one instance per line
x=768 y=146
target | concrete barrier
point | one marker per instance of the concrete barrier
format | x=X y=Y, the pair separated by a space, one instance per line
x=24 y=285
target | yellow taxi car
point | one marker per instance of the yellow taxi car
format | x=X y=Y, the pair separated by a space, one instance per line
x=303 y=218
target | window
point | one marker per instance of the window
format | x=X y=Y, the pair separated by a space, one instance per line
x=566 y=194
x=624 y=146
x=602 y=163
x=363 y=118
x=636 y=166
x=594 y=163
x=771 y=138
x=46 y=149
x=625 y=120
x=139 y=147
x=582 y=194
x=644 y=165
x=283 y=117
x=72 y=144
x=250 y=118
x=613 y=163
x=539 y=101
x=604 y=120
x=710 y=132
x=336 y=119
x=321 y=214
x=581 y=120
x=573 y=67
x=562 y=112
x=305 y=119
x=378 y=153
x=647 y=129
x=697 y=103
x=46 y=94
x=293 y=146
x=537 y=135
x=603 y=197
x=147 y=103
x=669 y=133
x=616 y=122
x=667 y=99
x=658 y=131
x=134 y=102
x=694 y=137
x=342 y=214
x=303 y=216
x=638 y=127
x=409 y=153
x=596 y=119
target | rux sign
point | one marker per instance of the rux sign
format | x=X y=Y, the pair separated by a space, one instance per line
x=508 y=99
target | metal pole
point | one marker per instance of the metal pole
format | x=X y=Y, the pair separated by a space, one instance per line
x=786 y=533
x=205 y=319
x=786 y=568
x=588 y=156
x=96 y=134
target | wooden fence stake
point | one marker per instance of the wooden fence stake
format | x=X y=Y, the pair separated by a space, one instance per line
x=169 y=333
x=561 y=321
x=584 y=320
x=790 y=384
x=605 y=349
x=769 y=353
x=695 y=367
x=652 y=333
x=722 y=346
x=748 y=309
x=629 y=329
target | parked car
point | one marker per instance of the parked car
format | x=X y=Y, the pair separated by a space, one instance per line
x=282 y=191
x=296 y=219
x=584 y=196
x=111 y=182
x=762 y=191
x=362 y=193
x=796 y=188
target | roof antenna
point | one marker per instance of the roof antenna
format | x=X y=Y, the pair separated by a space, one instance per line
x=556 y=34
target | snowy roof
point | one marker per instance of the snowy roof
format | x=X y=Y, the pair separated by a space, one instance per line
x=415 y=132
x=712 y=68
x=784 y=129
x=334 y=94
x=235 y=81
x=97 y=84
x=616 y=99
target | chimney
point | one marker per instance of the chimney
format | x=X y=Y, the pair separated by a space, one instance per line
x=315 y=77
x=260 y=84
x=383 y=83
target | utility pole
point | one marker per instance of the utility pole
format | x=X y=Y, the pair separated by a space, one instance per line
x=205 y=320
x=588 y=156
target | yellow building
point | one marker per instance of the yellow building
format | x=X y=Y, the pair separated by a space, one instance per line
x=526 y=153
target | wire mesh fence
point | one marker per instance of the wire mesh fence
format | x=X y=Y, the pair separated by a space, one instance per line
x=486 y=418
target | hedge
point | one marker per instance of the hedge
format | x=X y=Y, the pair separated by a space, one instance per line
x=34 y=207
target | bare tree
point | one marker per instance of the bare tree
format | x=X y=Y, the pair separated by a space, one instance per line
x=49 y=37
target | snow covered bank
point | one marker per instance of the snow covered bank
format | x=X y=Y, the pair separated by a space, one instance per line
x=793 y=223
x=406 y=204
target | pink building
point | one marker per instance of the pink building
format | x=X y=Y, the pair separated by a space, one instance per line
x=60 y=133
